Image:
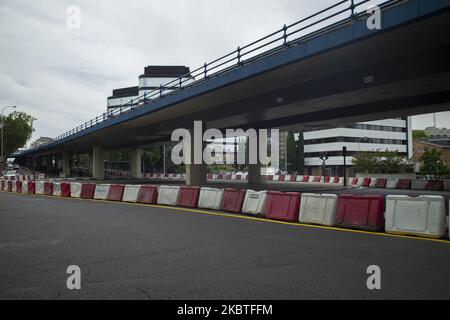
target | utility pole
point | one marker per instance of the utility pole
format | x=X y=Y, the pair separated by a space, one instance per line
x=344 y=153
x=3 y=110
x=164 y=158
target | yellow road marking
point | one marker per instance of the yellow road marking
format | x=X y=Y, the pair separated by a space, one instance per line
x=243 y=217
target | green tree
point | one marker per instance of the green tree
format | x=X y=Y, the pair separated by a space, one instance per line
x=152 y=158
x=366 y=162
x=419 y=134
x=432 y=164
x=386 y=162
x=391 y=162
x=295 y=153
x=292 y=157
x=17 y=130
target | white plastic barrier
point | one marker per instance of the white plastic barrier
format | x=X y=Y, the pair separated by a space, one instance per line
x=423 y=216
x=101 y=191
x=373 y=183
x=75 y=189
x=360 y=182
x=311 y=179
x=331 y=180
x=168 y=195
x=341 y=181
x=40 y=187
x=276 y=178
x=14 y=186
x=318 y=209
x=131 y=193
x=447 y=185
x=419 y=184
x=392 y=184
x=211 y=198
x=57 y=189
x=299 y=179
x=288 y=178
x=25 y=187
x=255 y=202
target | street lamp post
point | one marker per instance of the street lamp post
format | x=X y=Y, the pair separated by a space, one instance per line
x=3 y=110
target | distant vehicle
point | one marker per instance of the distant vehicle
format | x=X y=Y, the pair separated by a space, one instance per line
x=16 y=167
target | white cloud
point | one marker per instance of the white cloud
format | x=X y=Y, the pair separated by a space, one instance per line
x=63 y=77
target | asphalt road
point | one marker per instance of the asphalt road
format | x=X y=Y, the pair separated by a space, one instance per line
x=142 y=252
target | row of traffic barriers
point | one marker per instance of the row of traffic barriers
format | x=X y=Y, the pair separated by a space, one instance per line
x=423 y=216
x=393 y=183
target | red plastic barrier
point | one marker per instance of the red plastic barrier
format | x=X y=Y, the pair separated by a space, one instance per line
x=293 y=178
x=19 y=186
x=2 y=185
x=233 y=200
x=269 y=178
x=189 y=197
x=317 y=179
x=148 y=195
x=361 y=212
x=336 y=179
x=366 y=183
x=210 y=176
x=354 y=181
x=228 y=177
x=238 y=177
x=435 y=185
x=9 y=186
x=115 y=192
x=220 y=177
x=404 y=184
x=282 y=178
x=65 y=190
x=87 y=191
x=31 y=187
x=305 y=178
x=283 y=206
x=327 y=179
x=48 y=188
x=381 y=183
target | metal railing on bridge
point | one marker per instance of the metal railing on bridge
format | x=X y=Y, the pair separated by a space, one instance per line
x=334 y=16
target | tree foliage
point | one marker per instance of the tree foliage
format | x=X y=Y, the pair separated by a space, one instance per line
x=17 y=130
x=383 y=162
x=295 y=153
x=432 y=164
x=419 y=134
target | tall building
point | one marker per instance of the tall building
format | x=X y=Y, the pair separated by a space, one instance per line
x=40 y=142
x=156 y=80
x=390 y=134
x=437 y=133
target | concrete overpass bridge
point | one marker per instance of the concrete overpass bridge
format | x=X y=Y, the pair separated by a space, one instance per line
x=323 y=71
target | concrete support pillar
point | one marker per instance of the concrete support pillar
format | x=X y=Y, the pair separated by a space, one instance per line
x=66 y=164
x=196 y=174
x=136 y=163
x=98 y=163
x=256 y=174
x=29 y=163
x=48 y=163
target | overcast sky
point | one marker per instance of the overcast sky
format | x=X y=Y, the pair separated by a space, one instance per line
x=63 y=77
